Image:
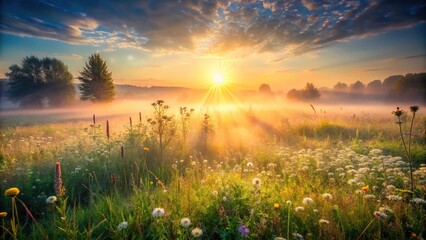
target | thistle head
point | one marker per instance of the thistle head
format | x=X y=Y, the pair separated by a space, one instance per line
x=398 y=112
x=414 y=109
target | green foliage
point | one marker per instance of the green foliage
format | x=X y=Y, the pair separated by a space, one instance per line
x=39 y=80
x=96 y=81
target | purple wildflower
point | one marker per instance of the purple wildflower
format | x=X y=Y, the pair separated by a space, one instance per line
x=244 y=231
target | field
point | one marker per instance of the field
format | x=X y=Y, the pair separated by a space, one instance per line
x=176 y=173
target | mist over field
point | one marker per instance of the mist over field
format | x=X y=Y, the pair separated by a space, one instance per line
x=230 y=119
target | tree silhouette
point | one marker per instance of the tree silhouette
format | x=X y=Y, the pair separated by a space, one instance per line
x=96 y=81
x=38 y=82
x=310 y=92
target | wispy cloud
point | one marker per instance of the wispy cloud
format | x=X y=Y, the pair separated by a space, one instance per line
x=374 y=69
x=291 y=27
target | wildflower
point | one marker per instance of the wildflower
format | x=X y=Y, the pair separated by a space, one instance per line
x=365 y=188
x=379 y=214
x=3 y=214
x=323 y=221
x=299 y=209
x=158 y=212
x=11 y=192
x=276 y=205
x=51 y=199
x=257 y=182
x=185 y=222
x=308 y=201
x=414 y=108
x=249 y=164
x=394 y=197
x=418 y=201
x=370 y=196
x=244 y=231
x=298 y=236
x=122 y=226
x=288 y=202
x=197 y=232
x=146 y=149
x=279 y=238
x=59 y=189
x=327 y=196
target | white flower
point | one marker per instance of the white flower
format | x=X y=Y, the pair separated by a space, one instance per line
x=51 y=199
x=379 y=214
x=185 y=222
x=323 y=221
x=249 y=164
x=308 y=201
x=158 y=212
x=394 y=197
x=299 y=209
x=327 y=196
x=257 y=182
x=298 y=236
x=418 y=201
x=279 y=238
x=122 y=226
x=197 y=232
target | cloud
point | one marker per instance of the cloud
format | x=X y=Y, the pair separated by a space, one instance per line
x=289 y=27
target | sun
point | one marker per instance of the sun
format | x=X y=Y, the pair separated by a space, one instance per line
x=218 y=79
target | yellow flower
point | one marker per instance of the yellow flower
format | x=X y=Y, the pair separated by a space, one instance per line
x=3 y=214
x=365 y=188
x=146 y=149
x=276 y=205
x=11 y=192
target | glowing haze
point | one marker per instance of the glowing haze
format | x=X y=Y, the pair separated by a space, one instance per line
x=191 y=43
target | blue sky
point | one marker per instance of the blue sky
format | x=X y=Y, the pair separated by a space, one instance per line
x=184 y=43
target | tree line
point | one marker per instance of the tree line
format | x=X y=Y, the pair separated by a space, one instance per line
x=48 y=82
x=412 y=86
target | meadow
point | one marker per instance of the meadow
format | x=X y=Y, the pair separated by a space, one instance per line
x=178 y=173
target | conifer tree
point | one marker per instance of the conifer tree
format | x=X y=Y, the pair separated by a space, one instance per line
x=96 y=81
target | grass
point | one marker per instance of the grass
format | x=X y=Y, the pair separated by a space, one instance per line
x=113 y=185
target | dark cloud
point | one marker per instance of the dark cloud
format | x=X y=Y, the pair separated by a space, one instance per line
x=291 y=26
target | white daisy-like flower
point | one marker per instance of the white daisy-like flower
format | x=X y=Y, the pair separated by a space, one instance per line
x=323 y=221
x=158 y=212
x=299 y=209
x=122 y=226
x=197 y=232
x=257 y=182
x=51 y=199
x=418 y=201
x=394 y=197
x=185 y=222
x=249 y=164
x=379 y=214
x=308 y=201
x=327 y=196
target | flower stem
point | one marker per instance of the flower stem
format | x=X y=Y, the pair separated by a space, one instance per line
x=365 y=229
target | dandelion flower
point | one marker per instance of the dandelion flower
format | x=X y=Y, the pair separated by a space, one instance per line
x=299 y=209
x=185 y=222
x=257 y=182
x=3 y=214
x=327 y=196
x=51 y=199
x=365 y=188
x=158 y=212
x=276 y=205
x=122 y=226
x=308 y=201
x=146 y=149
x=243 y=230
x=11 y=192
x=197 y=232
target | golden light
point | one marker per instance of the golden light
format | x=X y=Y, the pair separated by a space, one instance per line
x=218 y=79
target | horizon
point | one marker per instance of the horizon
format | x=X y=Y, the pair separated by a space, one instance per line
x=181 y=44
